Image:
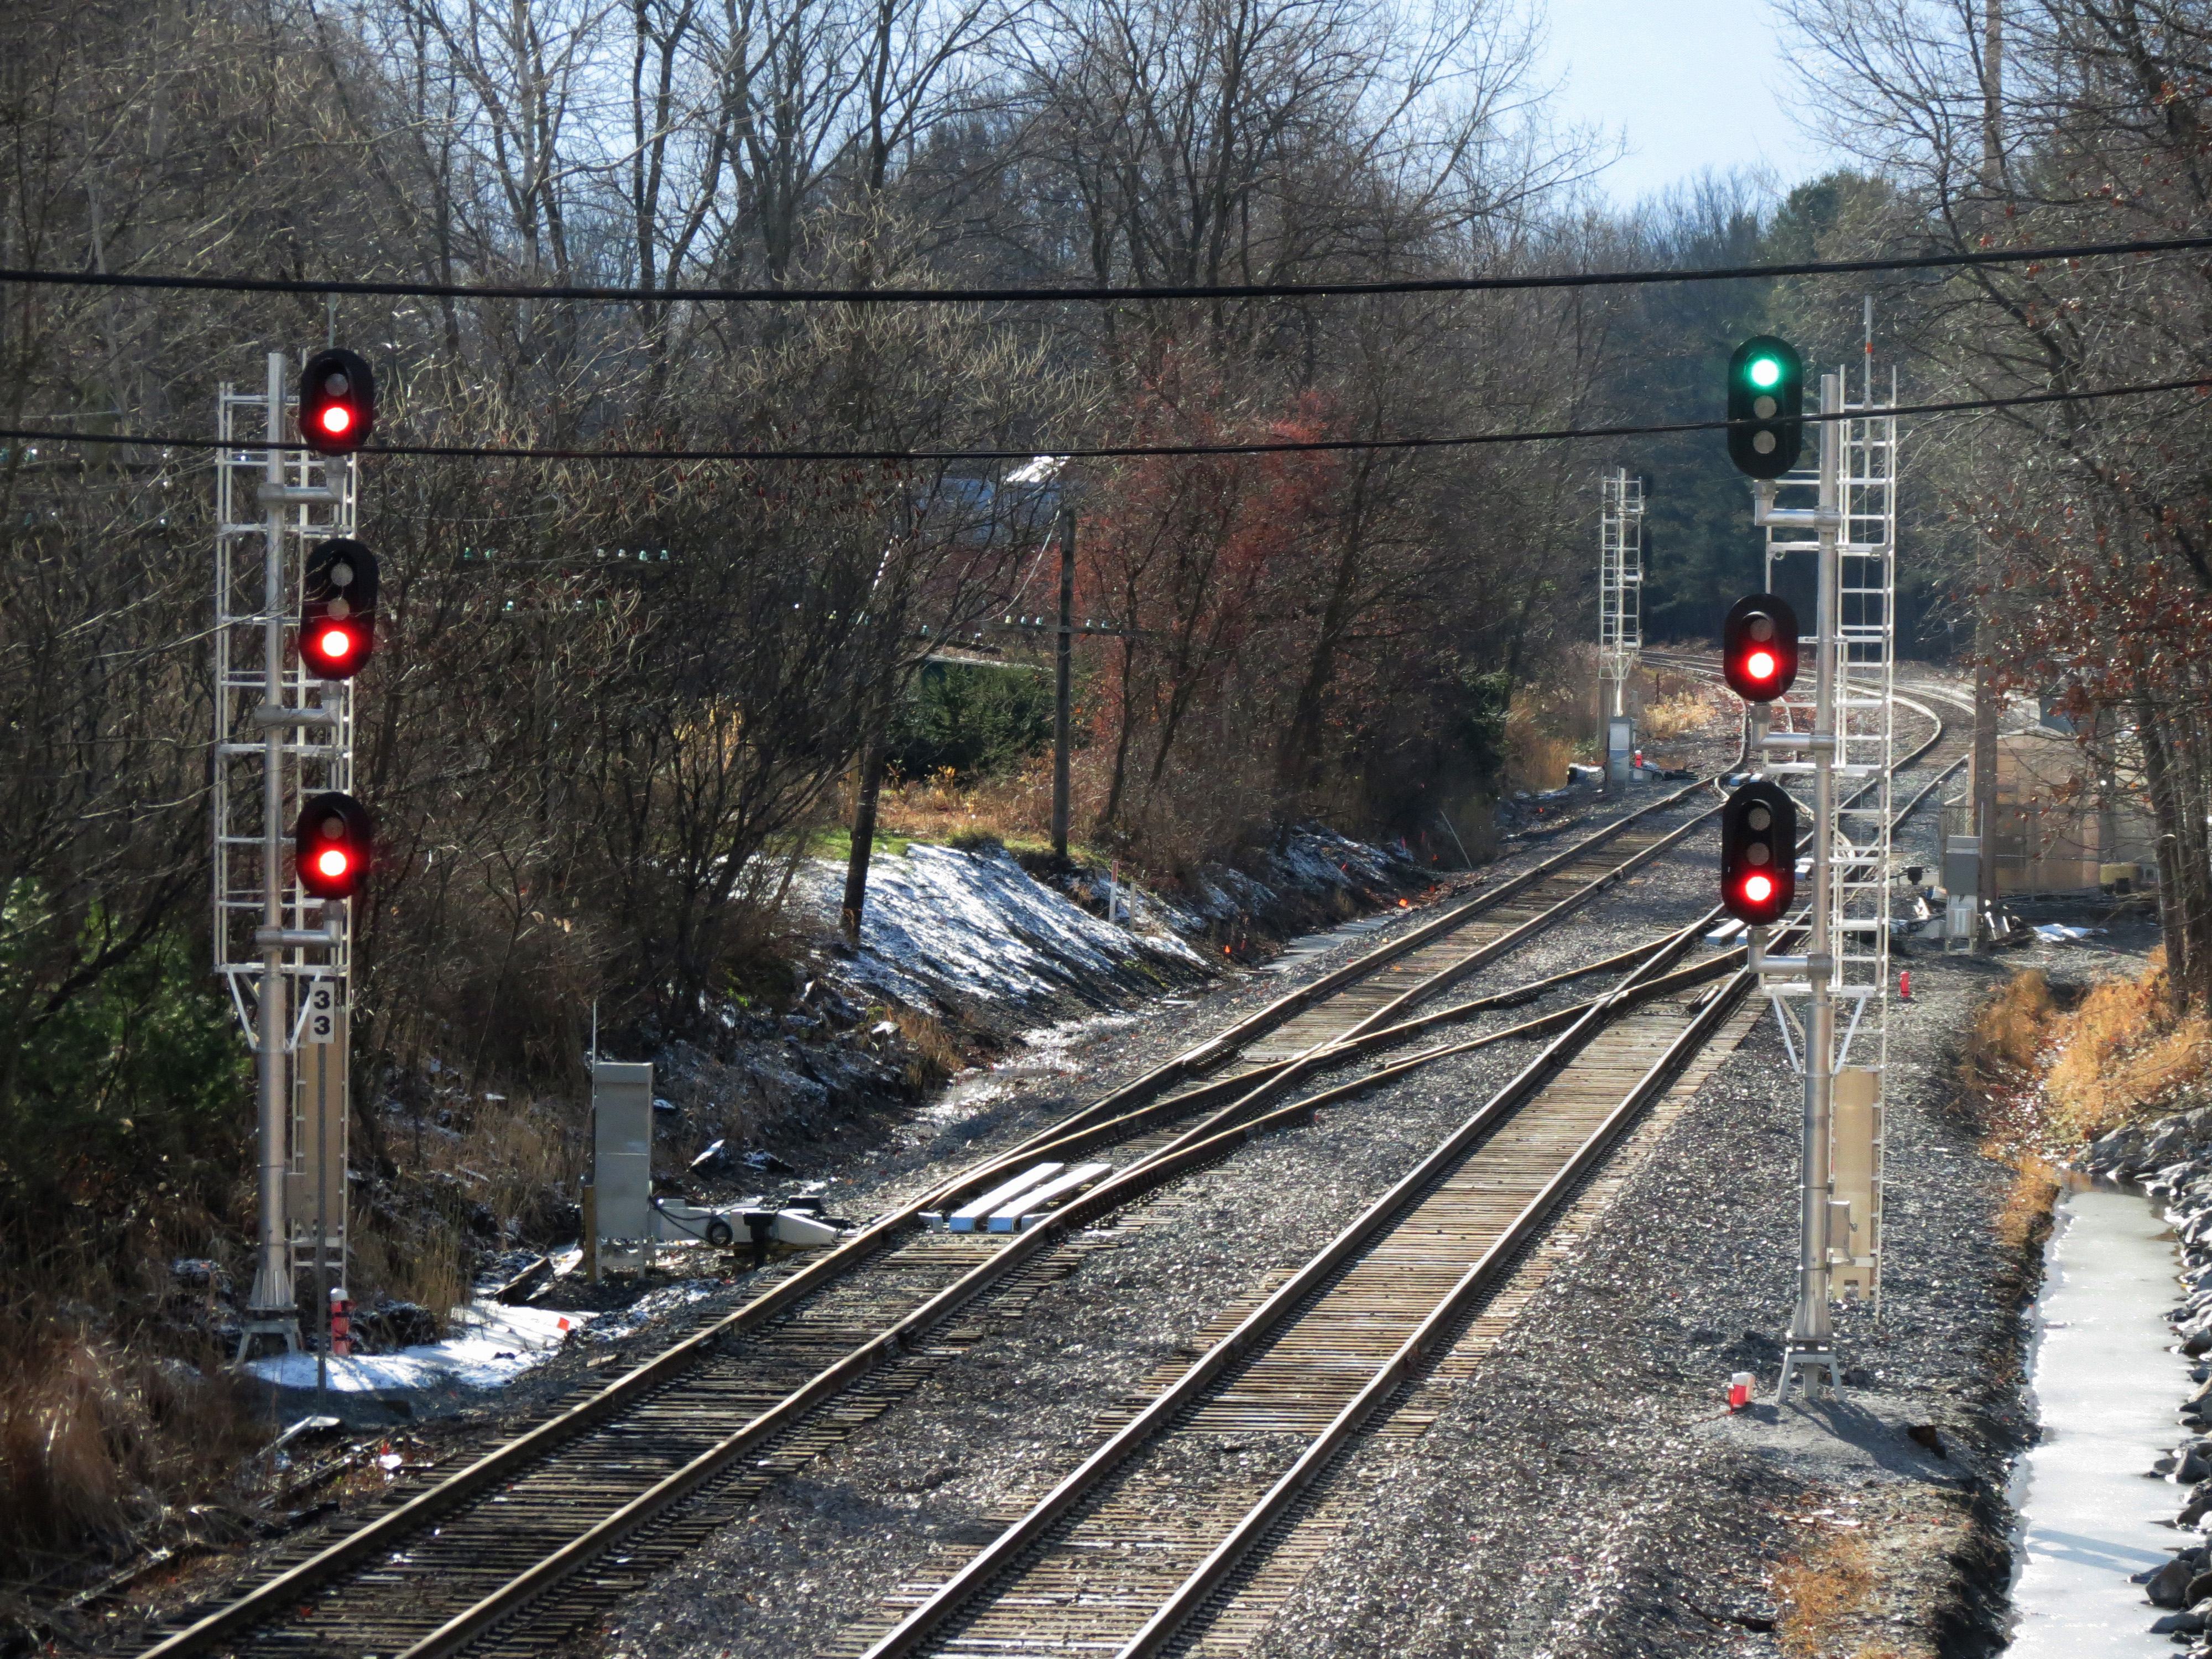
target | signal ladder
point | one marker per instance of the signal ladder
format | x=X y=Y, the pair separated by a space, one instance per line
x=273 y=507
x=1859 y=893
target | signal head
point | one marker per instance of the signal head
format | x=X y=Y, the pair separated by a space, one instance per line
x=1766 y=402
x=337 y=608
x=332 y=845
x=1759 y=852
x=337 y=402
x=1758 y=647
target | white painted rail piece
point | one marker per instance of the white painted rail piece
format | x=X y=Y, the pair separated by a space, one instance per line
x=968 y=1218
x=1016 y=1215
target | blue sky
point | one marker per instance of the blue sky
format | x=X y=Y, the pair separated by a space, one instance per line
x=1694 y=83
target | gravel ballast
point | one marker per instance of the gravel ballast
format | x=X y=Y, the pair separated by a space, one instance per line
x=1583 y=1490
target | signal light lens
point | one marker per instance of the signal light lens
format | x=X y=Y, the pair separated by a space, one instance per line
x=337 y=402
x=1758 y=647
x=1765 y=407
x=333 y=844
x=337 y=644
x=1758 y=850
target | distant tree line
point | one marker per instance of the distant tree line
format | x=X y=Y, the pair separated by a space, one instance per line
x=594 y=773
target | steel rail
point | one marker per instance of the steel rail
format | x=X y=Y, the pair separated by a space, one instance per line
x=509 y=1459
x=1190 y=1595
x=927 y=1618
x=1438 y=1323
x=1113 y=1193
x=1322 y=1053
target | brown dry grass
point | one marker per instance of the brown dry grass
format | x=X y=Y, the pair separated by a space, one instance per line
x=2045 y=1073
x=934 y=1056
x=500 y=1154
x=1552 y=722
x=2024 y=1219
x=1016 y=808
x=99 y=1441
x=2009 y=1037
x=2123 y=1050
x=1677 y=716
x=1537 y=748
x=1821 y=1591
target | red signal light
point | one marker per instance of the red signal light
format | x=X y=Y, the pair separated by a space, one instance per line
x=337 y=402
x=338 y=610
x=1759 y=852
x=1758 y=647
x=331 y=845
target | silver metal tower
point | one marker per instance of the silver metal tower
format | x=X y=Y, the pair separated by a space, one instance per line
x=280 y=734
x=1841 y=1039
x=1620 y=585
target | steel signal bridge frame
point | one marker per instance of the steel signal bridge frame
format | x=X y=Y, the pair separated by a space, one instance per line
x=1620 y=585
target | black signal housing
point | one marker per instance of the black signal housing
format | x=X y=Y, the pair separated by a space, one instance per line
x=333 y=844
x=337 y=402
x=337 y=608
x=1759 y=852
x=1758 y=647
x=1765 y=407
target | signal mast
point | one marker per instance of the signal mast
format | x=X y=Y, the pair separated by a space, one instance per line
x=287 y=512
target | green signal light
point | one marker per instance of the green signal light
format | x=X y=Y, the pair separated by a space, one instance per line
x=1765 y=372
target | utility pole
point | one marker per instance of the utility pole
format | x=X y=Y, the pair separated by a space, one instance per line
x=1063 y=683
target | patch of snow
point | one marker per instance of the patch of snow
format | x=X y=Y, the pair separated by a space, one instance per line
x=2059 y=932
x=492 y=1345
x=1055 y=1043
x=979 y=925
x=2106 y=1383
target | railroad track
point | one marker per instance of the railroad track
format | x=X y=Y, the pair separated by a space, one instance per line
x=1120 y=1558
x=511 y=1552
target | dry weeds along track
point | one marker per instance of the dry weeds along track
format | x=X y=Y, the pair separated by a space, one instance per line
x=585 y=1499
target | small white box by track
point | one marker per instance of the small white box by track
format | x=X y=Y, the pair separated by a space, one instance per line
x=725 y=1225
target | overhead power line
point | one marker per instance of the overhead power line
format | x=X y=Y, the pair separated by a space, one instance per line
x=2200 y=382
x=1100 y=292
